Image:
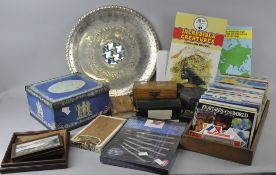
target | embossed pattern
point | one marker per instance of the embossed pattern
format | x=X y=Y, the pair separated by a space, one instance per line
x=84 y=49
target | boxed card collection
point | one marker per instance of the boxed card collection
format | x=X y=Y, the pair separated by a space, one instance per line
x=207 y=100
x=230 y=110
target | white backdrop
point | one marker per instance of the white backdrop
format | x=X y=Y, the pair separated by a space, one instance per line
x=33 y=34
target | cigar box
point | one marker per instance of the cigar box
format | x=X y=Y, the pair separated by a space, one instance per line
x=68 y=102
x=154 y=90
x=59 y=161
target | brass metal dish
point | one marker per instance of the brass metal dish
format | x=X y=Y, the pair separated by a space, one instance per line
x=113 y=44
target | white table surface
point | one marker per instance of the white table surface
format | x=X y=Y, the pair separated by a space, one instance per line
x=32 y=48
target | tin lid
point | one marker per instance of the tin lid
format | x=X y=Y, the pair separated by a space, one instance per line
x=61 y=91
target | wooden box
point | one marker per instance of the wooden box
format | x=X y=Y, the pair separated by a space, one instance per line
x=57 y=162
x=154 y=90
x=221 y=150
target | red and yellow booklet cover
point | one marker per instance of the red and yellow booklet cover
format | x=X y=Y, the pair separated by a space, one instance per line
x=195 y=49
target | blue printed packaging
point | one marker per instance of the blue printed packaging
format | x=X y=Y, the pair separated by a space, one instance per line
x=68 y=102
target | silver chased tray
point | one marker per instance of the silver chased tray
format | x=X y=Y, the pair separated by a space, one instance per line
x=113 y=44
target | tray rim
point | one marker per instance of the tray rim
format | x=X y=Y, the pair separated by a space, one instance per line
x=70 y=60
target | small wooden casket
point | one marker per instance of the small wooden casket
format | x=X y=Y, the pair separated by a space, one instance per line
x=154 y=90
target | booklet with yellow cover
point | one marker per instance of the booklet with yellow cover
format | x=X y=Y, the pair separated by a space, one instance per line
x=195 y=49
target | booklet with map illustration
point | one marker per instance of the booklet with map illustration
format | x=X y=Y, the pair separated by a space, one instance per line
x=236 y=52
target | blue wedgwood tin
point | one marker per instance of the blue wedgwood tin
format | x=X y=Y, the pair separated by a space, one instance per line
x=68 y=102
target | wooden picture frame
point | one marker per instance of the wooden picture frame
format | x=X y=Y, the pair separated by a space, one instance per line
x=37 y=148
x=58 y=162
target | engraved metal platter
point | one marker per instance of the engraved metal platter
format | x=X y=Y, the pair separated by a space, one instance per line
x=113 y=44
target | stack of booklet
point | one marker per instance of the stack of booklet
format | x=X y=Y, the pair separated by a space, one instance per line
x=230 y=110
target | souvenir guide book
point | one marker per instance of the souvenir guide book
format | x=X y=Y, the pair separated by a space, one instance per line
x=236 y=54
x=195 y=49
x=144 y=144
